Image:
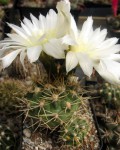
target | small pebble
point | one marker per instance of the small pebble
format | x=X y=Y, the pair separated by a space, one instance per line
x=27 y=133
x=36 y=148
x=49 y=141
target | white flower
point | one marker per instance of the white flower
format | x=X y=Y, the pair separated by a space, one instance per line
x=37 y=35
x=90 y=49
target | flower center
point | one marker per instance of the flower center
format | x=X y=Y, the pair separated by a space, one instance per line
x=36 y=38
x=51 y=34
x=81 y=47
x=84 y=48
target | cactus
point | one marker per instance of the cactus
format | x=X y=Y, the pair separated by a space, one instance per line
x=10 y=90
x=7 y=139
x=111 y=136
x=114 y=22
x=108 y=112
x=60 y=104
x=55 y=104
x=10 y=124
x=35 y=71
x=4 y=2
x=111 y=94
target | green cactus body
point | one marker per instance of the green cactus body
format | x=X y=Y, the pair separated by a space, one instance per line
x=74 y=132
x=111 y=94
x=60 y=105
x=4 y=2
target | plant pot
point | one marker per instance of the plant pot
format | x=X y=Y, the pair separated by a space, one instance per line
x=96 y=125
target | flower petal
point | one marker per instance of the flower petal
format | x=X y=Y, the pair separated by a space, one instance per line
x=64 y=18
x=26 y=29
x=73 y=27
x=28 y=24
x=8 y=59
x=109 y=70
x=102 y=53
x=55 y=48
x=42 y=22
x=63 y=6
x=67 y=39
x=33 y=53
x=85 y=63
x=16 y=38
x=87 y=29
x=34 y=21
x=2 y=51
x=18 y=30
x=71 y=61
x=108 y=43
x=51 y=20
x=115 y=57
x=22 y=57
x=98 y=36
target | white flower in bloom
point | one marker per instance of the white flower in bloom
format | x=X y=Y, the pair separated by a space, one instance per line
x=37 y=35
x=90 y=49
